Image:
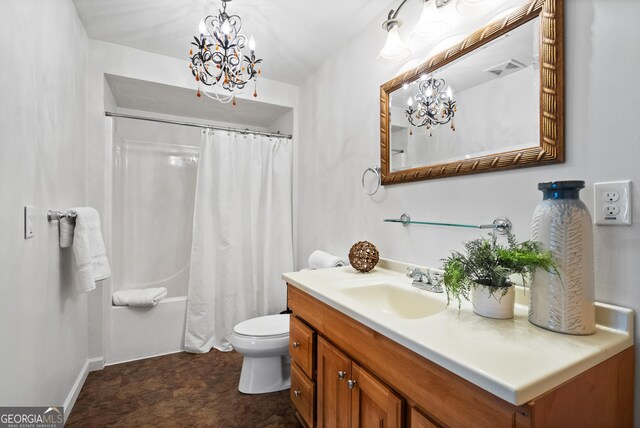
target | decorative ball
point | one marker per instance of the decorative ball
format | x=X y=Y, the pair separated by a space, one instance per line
x=363 y=256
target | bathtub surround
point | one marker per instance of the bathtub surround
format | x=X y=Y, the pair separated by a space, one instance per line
x=242 y=239
x=43 y=163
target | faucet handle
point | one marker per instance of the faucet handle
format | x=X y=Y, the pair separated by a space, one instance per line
x=437 y=277
x=413 y=271
x=417 y=275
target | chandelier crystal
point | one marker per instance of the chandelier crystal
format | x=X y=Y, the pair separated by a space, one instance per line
x=434 y=105
x=219 y=58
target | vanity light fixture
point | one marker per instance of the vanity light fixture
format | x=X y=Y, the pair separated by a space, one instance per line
x=219 y=57
x=434 y=105
x=430 y=23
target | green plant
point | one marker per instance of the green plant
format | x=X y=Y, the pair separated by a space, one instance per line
x=488 y=263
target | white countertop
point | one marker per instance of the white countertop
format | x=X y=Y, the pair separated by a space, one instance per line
x=512 y=359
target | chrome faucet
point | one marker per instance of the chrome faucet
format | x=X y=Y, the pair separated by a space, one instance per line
x=422 y=280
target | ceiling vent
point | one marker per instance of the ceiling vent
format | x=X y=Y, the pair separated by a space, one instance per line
x=505 y=68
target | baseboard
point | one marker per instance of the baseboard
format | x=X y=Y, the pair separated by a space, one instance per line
x=75 y=390
x=96 y=364
x=145 y=357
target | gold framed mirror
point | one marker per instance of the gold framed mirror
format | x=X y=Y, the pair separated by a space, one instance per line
x=494 y=101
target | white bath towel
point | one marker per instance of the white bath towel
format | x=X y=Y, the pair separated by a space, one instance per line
x=66 y=227
x=320 y=260
x=88 y=249
x=139 y=297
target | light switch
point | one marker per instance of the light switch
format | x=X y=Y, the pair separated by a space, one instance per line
x=28 y=222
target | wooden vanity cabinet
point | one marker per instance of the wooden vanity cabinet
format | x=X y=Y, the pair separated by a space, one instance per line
x=395 y=387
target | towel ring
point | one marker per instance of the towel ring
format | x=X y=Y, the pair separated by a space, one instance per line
x=376 y=170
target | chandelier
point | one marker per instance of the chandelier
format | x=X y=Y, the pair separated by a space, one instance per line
x=219 y=59
x=434 y=104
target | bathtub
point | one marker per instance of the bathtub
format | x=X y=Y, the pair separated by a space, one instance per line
x=138 y=333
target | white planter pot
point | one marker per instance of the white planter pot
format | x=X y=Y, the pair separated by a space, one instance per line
x=493 y=305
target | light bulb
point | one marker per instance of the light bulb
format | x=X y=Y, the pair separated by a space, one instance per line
x=449 y=93
x=226 y=27
x=410 y=102
x=252 y=44
x=430 y=24
x=394 y=49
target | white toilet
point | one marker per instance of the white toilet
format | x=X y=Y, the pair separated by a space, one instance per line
x=264 y=342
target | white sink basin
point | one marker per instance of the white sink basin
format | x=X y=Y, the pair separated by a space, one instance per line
x=398 y=300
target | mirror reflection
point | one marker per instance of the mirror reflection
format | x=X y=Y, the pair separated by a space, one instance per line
x=486 y=102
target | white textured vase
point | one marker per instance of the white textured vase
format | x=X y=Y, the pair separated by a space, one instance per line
x=561 y=222
x=493 y=305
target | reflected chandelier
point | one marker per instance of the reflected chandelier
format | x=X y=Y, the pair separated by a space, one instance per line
x=219 y=59
x=434 y=104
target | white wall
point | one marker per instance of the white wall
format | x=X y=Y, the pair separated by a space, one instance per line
x=339 y=138
x=43 y=129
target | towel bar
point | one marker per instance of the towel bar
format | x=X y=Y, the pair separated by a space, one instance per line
x=57 y=215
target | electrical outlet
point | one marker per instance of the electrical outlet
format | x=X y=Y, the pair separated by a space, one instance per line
x=612 y=203
x=611 y=209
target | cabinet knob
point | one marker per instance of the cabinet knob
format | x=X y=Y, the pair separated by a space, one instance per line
x=295 y=345
x=297 y=393
x=341 y=374
x=351 y=383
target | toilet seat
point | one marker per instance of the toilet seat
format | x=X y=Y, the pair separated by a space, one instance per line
x=268 y=326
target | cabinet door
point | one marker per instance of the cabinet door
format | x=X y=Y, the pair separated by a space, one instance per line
x=301 y=345
x=373 y=404
x=334 y=370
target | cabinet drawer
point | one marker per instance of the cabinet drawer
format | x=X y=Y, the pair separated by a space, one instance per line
x=303 y=394
x=301 y=341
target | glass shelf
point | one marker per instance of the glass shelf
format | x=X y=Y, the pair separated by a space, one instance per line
x=501 y=225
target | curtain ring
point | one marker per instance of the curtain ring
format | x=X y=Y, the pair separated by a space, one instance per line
x=376 y=171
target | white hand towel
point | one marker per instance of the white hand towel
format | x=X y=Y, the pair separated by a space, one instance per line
x=320 y=260
x=139 y=297
x=88 y=249
x=66 y=227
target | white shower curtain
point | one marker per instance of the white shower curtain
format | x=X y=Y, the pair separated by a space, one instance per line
x=242 y=235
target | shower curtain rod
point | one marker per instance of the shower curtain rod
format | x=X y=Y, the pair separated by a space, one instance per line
x=199 y=125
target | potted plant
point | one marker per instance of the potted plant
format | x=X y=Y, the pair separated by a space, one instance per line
x=482 y=273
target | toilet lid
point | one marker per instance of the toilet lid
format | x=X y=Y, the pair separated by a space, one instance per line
x=270 y=325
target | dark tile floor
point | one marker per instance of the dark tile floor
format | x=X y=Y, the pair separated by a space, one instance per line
x=178 y=390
